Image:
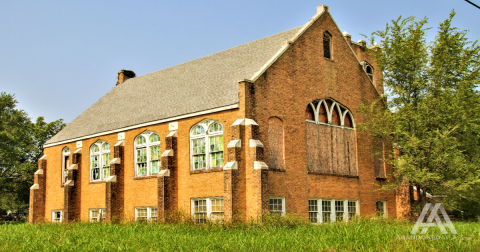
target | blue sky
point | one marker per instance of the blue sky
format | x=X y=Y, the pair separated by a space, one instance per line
x=59 y=57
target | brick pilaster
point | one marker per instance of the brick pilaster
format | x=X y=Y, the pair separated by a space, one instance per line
x=114 y=186
x=37 y=193
x=231 y=196
x=72 y=190
x=167 y=179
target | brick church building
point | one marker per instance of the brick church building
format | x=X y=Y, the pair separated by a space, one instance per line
x=265 y=126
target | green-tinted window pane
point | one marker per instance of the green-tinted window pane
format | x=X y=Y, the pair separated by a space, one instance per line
x=141 y=155
x=216 y=159
x=155 y=152
x=140 y=140
x=141 y=169
x=216 y=143
x=106 y=159
x=106 y=147
x=198 y=130
x=216 y=127
x=199 y=161
x=154 y=138
x=95 y=148
x=66 y=150
x=155 y=166
x=106 y=172
x=94 y=161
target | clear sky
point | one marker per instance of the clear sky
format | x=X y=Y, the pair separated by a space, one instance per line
x=59 y=57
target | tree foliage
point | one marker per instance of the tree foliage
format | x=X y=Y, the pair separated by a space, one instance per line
x=21 y=145
x=432 y=112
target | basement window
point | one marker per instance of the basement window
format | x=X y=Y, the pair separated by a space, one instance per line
x=206 y=145
x=381 y=208
x=204 y=209
x=331 y=210
x=65 y=163
x=277 y=205
x=146 y=213
x=99 y=161
x=97 y=214
x=57 y=216
x=147 y=154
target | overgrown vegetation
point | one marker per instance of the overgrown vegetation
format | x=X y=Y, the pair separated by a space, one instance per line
x=21 y=145
x=432 y=112
x=359 y=235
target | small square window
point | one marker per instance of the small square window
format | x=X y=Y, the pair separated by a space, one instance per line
x=277 y=205
x=97 y=214
x=208 y=208
x=57 y=216
x=146 y=213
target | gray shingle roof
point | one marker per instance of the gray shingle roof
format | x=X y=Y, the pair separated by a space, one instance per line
x=206 y=83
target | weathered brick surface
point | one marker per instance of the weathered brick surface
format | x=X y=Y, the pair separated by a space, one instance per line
x=298 y=77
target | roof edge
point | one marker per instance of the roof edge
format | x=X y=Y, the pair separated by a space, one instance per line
x=229 y=107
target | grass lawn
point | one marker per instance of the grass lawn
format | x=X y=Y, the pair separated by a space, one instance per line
x=362 y=235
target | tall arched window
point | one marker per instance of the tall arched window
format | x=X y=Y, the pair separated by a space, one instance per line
x=147 y=154
x=275 y=144
x=99 y=161
x=65 y=163
x=330 y=138
x=206 y=143
x=327 y=45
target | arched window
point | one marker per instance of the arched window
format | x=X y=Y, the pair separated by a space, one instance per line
x=275 y=144
x=368 y=69
x=65 y=163
x=99 y=161
x=205 y=156
x=330 y=138
x=327 y=45
x=147 y=154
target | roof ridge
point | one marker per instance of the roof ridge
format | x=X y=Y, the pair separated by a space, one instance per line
x=209 y=55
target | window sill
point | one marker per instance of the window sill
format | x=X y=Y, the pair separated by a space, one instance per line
x=332 y=174
x=97 y=182
x=277 y=170
x=381 y=179
x=216 y=169
x=145 y=177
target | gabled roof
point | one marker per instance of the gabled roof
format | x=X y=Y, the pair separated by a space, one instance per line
x=200 y=86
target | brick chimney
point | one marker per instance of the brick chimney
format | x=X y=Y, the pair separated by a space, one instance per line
x=347 y=36
x=124 y=75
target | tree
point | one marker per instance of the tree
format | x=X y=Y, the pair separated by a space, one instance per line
x=431 y=111
x=21 y=145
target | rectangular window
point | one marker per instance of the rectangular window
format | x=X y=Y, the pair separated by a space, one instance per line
x=66 y=164
x=97 y=214
x=95 y=168
x=216 y=151
x=57 y=216
x=277 y=205
x=146 y=213
x=313 y=210
x=331 y=210
x=155 y=158
x=207 y=209
x=141 y=162
x=106 y=165
x=199 y=153
x=381 y=209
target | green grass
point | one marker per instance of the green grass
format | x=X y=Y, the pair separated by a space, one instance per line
x=361 y=235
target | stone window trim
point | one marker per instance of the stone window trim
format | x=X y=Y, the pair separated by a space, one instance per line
x=146 y=141
x=97 y=214
x=99 y=161
x=145 y=177
x=146 y=213
x=275 y=208
x=369 y=70
x=332 y=174
x=66 y=162
x=326 y=210
x=322 y=103
x=215 y=169
x=201 y=159
x=207 y=208
x=381 y=207
x=57 y=216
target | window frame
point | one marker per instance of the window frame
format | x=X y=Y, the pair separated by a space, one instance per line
x=64 y=165
x=99 y=144
x=333 y=213
x=384 y=210
x=209 y=209
x=206 y=124
x=149 y=213
x=147 y=146
x=53 y=216
x=330 y=45
x=101 y=214
x=371 y=76
x=283 y=204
